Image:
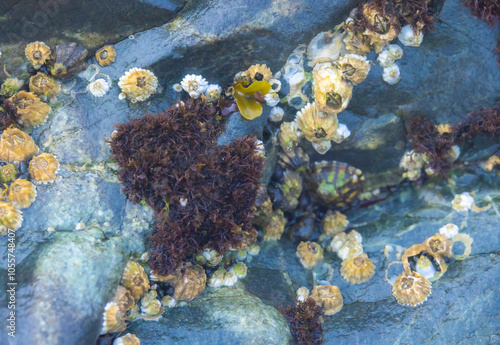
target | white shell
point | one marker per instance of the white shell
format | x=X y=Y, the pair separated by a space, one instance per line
x=322 y=147
x=449 y=230
x=342 y=133
x=195 y=85
x=272 y=99
x=177 y=87
x=98 y=87
x=276 y=114
x=410 y=37
x=391 y=74
x=462 y=202
x=213 y=92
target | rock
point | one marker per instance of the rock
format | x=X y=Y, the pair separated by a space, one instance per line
x=63 y=286
x=222 y=316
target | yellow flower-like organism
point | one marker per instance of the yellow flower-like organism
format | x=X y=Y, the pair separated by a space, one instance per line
x=246 y=100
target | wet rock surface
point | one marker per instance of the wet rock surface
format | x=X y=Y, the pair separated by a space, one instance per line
x=74 y=274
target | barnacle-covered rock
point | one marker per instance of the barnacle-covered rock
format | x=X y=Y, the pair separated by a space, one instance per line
x=410 y=36
x=248 y=104
x=68 y=60
x=274 y=228
x=105 y=56
x=43 y=168
x=44 y=86
x=98 y=87
x=8 y=173
x=331 y=93
x=329 y=297
x=391 y=74
x=37 y=53
x=354 y=68
x=10 y=217
x=138 y=84
x=21 y=193
x=293 y=73
x=195 y=85
x=289 y=135
x=16 y=146
x=127 y=339
x=135 y=279
x=334 y=183
x=258 y=73
x=10 y=86
x=221 y=277
x=316 y=126
x=411 y=289
x=334 y=223
x=239 y=270
x=382 y=27
x=291 y=188
x=357 y=269
x=310 y=254
x=325 y=47
x=113 y=319
x=189 y=283
x=151 y=307
x=439 y=245
x=31 y=110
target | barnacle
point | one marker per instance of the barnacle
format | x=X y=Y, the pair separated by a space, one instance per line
x=195 y=85
x=258 y=73
x=331 y=93
x=213 y=92
x=302 y=293
x=113 y=319
x=467 y=242
x=168 y=301
x=10 y=217
x=357 y=43
x=151 y=307
x=276 y=114
x=413 y=163
x=410 y=37
x=357 y=269
x=21 y=193
x=43 y=168
x=354 y=68
x=391 y=74
x=189 y=282
x=310 y=254
x=68 y=60
x=411 y=289
x=8 y=173
x=138 y=84
x=381 y=28
x=221 y=277
x=274 y=228
x=239 y=270
x=209 y=257
x=10 y=86
x=294 y=160
x=439 y=245
x=350 y=248
x=16 y=146
x=315 y=125
x=105 y=56
x=293 y=73
x=135 y=279
x=30 y=109
x=325 y=47
x=449 y=230
x=289 y=135
x=291 y=188
x=127 y=339
x=98 y=87
x=37 y=53
x=334 y=223
x=462 y=202
x=272 y=98
x=245 y=97
x=322 y=147
x=44 y=86
x=329 y=297
x=123 y=299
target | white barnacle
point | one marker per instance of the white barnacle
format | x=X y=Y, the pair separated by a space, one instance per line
x=449 y=230
x=391 y=74
x=462 y=202
x=213 y=92
x=195 y=85
x=272 y=99
x=410 y=37
x=98 y=87
x=322 y=147
x=276 y=114
x=177 y=87
x=341 y=134
x=389 y=54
